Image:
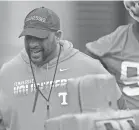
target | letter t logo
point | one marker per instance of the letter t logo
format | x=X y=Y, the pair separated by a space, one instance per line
x=63 y=94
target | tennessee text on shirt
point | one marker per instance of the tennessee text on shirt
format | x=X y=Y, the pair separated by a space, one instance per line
x=27 y=86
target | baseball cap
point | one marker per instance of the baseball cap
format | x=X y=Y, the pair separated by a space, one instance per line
x=39 y=22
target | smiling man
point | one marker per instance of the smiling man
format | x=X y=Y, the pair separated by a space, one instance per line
x=46 y=62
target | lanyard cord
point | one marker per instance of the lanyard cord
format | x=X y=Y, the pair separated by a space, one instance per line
x=48 y=99
x=54 y=74
x=37 y=89
x=37 y=86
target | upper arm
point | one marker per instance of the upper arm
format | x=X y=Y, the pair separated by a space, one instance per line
x=101 y=46
x=109 y=43
x=9 y=113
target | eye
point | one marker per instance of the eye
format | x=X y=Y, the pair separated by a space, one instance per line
x=27 y=37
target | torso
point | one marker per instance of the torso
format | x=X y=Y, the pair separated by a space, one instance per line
x=125 y=66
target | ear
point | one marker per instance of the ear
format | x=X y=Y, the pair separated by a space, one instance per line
x=58 y=34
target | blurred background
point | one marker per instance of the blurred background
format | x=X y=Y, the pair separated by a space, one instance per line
x=81 y=22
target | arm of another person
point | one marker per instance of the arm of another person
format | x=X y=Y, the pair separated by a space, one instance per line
x=100 y=47
x=108 y=44
x=97 y=49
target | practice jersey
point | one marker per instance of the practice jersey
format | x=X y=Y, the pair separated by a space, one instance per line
x=119 y=54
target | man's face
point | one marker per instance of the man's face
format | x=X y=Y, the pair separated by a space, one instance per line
x=40 y=49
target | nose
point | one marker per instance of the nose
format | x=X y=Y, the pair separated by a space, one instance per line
x=33 y=43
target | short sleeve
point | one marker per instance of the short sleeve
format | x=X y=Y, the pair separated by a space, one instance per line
x=101 y=46
x=110 y=43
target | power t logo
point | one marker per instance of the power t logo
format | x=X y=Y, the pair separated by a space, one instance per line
x=27 y=87
x=63 y=95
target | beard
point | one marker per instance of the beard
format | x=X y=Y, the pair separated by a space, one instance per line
x=41 y=53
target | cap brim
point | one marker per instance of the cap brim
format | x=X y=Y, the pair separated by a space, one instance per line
x=34 y=32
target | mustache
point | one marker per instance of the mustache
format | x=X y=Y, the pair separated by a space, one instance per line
x=29 y=50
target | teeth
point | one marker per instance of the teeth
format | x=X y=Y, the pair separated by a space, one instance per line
x=35 y=51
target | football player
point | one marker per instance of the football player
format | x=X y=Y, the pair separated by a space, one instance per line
x=119 y=54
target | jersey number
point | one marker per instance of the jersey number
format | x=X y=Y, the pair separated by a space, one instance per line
x=130 y=72
x=130 y=77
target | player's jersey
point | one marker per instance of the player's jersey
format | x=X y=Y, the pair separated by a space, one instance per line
x=119 y=52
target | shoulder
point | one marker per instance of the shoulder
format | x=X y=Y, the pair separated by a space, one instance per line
x=120 y=32
x=93 y=65
x=117 y=33
x=122 y=28
x=105 y=43
x=86 y=58
x=12 y=64
x=9 y=72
